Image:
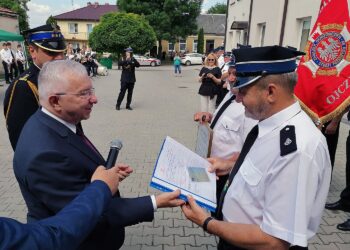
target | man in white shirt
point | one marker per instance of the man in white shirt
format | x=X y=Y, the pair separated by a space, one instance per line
x=278 y=186
x=6 y=61
x=13 y=64
x=20 y=59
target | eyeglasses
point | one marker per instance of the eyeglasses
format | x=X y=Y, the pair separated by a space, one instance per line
x=211 y=60
x=87 y=93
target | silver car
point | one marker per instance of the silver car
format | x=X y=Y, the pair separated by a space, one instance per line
x=147 y=61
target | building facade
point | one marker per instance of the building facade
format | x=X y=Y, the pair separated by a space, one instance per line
x=8 y=22
x=271 y=22
x=214 y=33
x=76 y=25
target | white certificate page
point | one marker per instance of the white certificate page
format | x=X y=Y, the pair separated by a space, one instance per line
x=178 y=167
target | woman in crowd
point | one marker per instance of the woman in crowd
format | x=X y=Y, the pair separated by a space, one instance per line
x=210 y=77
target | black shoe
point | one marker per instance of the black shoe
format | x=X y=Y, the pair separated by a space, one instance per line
x=345 y=226
x=337 y=206
x=117 y=107
x=129 y=108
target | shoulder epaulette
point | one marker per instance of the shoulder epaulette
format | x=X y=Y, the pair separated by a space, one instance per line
x=32 y=87
x=288 y=142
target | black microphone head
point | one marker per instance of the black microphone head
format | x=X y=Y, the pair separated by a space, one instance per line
x=116 y=144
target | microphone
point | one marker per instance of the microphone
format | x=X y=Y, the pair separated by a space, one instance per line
x=116 y=145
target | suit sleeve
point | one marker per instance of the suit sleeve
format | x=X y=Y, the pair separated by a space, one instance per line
x=56 y=183
x=65 y=230
x=53 y=181
x=23 y=105
x=137 y=64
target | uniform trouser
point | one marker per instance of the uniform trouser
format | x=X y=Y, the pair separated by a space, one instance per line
x=13 y=71
x=332 y=142
x=225 y=246
x=20 y=67
x=345 y=194
x=7 y=72
x=125 y=86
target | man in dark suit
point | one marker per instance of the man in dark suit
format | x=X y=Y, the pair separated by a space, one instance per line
x=54 y=160
x=71 y=225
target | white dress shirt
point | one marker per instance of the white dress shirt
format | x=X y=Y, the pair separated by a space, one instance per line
x=20 y=56
x=284 y=195
x=230 y=130
x=6 y=56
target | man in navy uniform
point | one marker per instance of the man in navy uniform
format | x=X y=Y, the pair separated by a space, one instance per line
x=277 y=189
x=45 y=43
x=71 y=225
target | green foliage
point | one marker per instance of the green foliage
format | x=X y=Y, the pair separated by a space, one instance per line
x=200 y=44
x=117 y=31
x=51 y=20
x=170 y=19
x=20 y=7
x=219 y=8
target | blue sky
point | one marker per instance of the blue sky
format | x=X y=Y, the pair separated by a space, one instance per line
x=40 y=10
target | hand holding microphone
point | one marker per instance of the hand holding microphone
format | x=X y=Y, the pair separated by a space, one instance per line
x=124 y=170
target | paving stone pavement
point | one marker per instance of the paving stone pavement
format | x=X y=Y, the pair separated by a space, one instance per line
x=163 y=105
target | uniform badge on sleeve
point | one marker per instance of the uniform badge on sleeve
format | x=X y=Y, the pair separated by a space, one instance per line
x=288 y=143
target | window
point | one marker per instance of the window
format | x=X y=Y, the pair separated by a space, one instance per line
x=262 y=28
x=73 y=27
x=195 y=44
x=305 y=31
x=171 y=46
x=89 y=28
x=182 y=43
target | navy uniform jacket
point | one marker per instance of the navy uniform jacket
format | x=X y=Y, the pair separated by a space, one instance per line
x=24 y=103
x=53 y=165
x=63 y=231
x=128 y=69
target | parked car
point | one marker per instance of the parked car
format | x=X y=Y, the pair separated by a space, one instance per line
x=191 y=58
x=147 y=61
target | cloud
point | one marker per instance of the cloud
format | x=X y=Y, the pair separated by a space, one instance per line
x=38 y=8
x=39 y=13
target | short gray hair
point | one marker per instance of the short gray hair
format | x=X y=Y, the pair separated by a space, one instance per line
x=53 y=77
x=286 y=81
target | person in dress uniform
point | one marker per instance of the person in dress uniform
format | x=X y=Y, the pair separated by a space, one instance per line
x=45 y=43
x=6 y=59
x=277 y=189
x=128 y=79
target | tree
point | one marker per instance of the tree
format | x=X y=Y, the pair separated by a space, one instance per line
x=219 y=8
x=200 y=43
x=20 y=7
x=117 y=31
x=170 y=19
x=51 y=20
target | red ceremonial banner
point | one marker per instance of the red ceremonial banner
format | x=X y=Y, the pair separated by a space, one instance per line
x=324 y=73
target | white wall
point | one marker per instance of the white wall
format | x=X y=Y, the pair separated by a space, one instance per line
x=297 y=11
x=238 y=11
x=269 y=12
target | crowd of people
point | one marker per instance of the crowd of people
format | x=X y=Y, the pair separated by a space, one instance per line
x=85 y=56
x=272 y=162
x=12 y=61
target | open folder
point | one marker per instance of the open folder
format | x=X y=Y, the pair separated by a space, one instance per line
x=177 y=167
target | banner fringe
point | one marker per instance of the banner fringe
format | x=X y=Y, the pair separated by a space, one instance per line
x=335 y=113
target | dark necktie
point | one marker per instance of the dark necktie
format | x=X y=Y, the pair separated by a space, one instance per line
x=221 y=110
x=251 y=137
x=80 y=132
x=13 y=57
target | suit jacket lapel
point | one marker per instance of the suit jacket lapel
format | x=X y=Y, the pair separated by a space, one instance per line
x=72 y=139
x=76 y=141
